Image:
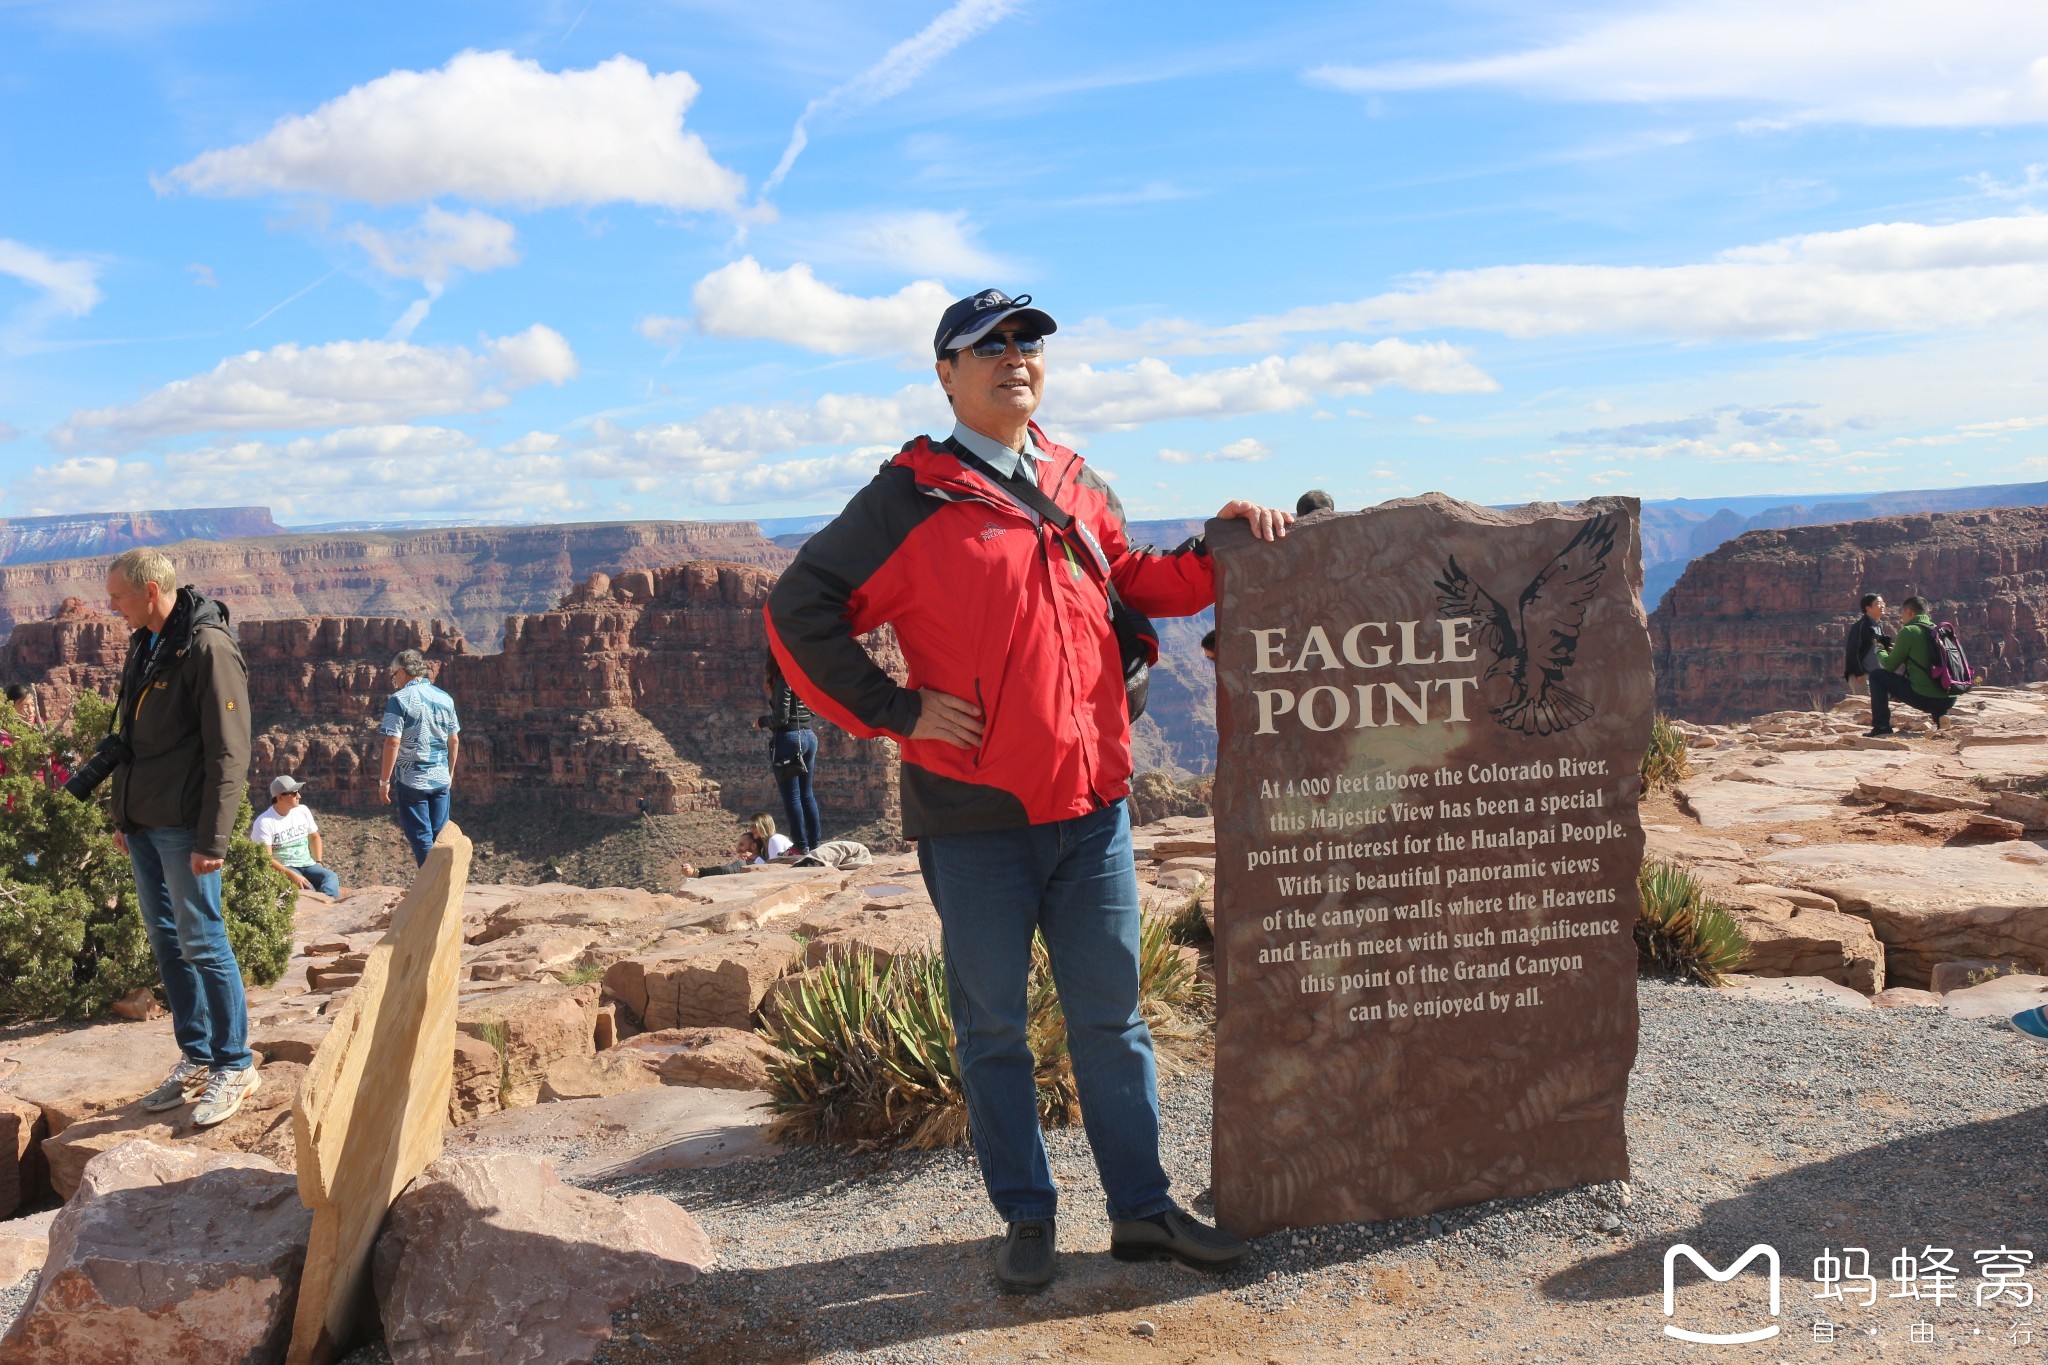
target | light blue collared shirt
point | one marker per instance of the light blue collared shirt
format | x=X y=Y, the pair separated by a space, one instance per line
x=1000 y=457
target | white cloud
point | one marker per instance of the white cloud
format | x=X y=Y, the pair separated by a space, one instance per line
x=340 y=383
x=743 y=300
x=1900 y=63
x=203 y=275
x=729 y=438
x=919 y=242
x=662 y=330
x=1883 y=277
x=64 y=288
x=1152 y=391
x=489 y=128
x=439 y=246
x=899 y=67
x=1246 y=450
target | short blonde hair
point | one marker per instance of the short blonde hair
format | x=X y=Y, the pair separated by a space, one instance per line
x=146 y=564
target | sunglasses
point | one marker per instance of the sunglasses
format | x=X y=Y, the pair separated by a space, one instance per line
x=998 y=343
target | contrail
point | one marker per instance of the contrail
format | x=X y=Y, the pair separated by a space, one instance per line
x=899 y=66
x=301 y=294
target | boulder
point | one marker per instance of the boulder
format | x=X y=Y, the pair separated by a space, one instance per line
x=715 y=984
x=882 y=933
x=1905 y=997
x=24 y=1178
x=1924 y=795
x=663 y=1128
x=139 y=1004
x=1185 y=846
x=540 y=1023
x=479 y=1084
x=1984 y=825
x=492 y=1257
x=262 y=1127
x=1997 y=999
x=527 y=953
x=82 y=1072
x=1182 y=879
x=167 y=1255
x=2022 y=808
x=1799 y=940
x=1931 y=905
x=605 y=1073
x=24 y=1245
x=522 y=909
x=715 y=1058
x=1955 y=976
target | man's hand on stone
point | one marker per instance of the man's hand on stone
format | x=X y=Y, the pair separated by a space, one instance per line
x=1267 y=523
x=948 y=719
x=203 y=865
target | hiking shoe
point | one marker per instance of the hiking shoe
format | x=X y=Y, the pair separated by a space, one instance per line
x=1176 y=1234
x=2033 y=1023
x=1878 y=734
x=225 y=1091
x=1024 y=1260
x=182 y=1086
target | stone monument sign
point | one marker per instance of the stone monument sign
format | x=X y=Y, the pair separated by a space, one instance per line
x=1432 y=718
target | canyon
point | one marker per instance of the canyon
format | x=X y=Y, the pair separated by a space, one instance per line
x=471 y=576
x=1757 y=625
x=635 y=694
x=25 y=539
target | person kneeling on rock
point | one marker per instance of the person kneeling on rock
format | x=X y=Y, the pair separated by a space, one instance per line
x=292 y=835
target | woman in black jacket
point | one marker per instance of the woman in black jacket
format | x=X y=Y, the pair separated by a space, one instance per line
x=793 y=753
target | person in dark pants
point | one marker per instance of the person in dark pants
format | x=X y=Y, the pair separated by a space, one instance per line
x=1866 y=637
x=793 y=755
x=1908 y=674
x=993 y=552
x=420 y=743
x=183 y=711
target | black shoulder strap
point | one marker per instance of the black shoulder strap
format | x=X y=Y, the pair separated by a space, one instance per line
x=1017 y=486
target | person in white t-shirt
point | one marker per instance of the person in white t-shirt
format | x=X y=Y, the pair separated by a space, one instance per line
x=292 y=835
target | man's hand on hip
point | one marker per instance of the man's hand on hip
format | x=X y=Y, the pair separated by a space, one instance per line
x=202 y=865
x=948 y=719
x=121 y=841
x=1267 y=523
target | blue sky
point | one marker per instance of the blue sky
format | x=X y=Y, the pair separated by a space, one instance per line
x=604 y=259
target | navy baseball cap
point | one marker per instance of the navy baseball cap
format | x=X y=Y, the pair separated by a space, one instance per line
x=973 y=317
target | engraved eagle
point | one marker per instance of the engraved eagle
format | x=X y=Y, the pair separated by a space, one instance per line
x=1535 y=642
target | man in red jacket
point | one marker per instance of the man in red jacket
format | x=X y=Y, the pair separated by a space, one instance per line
x=1016 y=744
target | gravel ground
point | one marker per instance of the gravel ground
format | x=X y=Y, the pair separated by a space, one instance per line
x=1805 y=1126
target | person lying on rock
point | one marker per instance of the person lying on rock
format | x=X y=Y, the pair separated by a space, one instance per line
x=291 y=834
x=748 y=854
x=993 y=553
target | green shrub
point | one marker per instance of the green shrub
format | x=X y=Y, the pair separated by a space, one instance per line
x=1188 y=925
x=71 y=940
x=1680 y=932
x=867 y=1050
x=1667 y=762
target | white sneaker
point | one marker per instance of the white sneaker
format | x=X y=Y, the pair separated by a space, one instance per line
x=225 y=1091
x=182 y=1086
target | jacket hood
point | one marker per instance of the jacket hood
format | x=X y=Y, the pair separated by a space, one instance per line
x=193 y=613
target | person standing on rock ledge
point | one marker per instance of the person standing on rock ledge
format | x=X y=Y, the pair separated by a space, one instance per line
x=420 y=744
x=183 y=712
x=992 y=553
x=1867 y=636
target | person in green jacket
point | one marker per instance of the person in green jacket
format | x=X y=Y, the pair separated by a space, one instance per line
x=1908 y=674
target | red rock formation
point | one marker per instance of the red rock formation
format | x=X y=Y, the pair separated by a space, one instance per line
x=474 y=576
x=644 y=686
x=1757 y=625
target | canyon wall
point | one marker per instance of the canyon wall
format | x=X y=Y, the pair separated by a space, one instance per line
x=1757 y=625
x=23 y=539
x=472 y=576
x=643 y=687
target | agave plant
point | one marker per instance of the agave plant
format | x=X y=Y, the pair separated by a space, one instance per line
x=1680 y=932
x=1667 y=762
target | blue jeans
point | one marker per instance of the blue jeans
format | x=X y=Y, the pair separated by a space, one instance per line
x=325 y=879
x=1887 y=687
x=1074 y=882
x=420 y=815
x=202 y=981
x=798 y=804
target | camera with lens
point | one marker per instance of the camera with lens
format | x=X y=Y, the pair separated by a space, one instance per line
x=110 y=754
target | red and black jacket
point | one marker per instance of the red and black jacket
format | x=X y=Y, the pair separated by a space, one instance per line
x=990 y=605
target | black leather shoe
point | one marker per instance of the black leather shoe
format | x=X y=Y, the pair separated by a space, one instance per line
x=1024 y=1259
x=1177 y=1235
